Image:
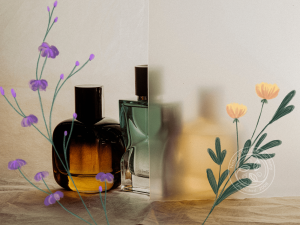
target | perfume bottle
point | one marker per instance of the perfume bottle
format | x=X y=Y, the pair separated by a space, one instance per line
x=95 y=144
x=135 y=163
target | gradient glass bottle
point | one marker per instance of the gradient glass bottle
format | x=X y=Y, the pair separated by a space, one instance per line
x=135 y=163
x=95 y=145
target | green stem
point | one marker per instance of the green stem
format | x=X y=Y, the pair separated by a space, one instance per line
x=104 y=204
x=50 y=116
x=259 y=134
x=64 y=207
x=43 y=67
x=209 y=213
x=43 y=113
x=80 y=68
x=237 y=145
x=32 y=183
x=258 y=119
x=19 y=107
x=13 y=107
x=48 y=31
x=37 y=66
x=48 y=25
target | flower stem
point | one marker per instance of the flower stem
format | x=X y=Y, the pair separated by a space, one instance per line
x=13 y=107
x=32 y=183
x=19 y=107
x=47 y=31
x=43 y=113
x=104 y=204
x=259 y=134
x=80 y=68
x=237 y=143
x=43 y=67
x=258 y=119
x=50 y=116
x=209 y=213
x=37 y=66
x=63 y=206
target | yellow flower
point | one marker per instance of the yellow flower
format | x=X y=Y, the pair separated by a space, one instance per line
x=266 y=91
x=235 y=110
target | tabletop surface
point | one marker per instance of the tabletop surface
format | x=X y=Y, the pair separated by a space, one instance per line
x=20 y=203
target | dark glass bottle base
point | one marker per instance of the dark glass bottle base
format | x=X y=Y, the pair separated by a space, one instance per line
x=91 y=149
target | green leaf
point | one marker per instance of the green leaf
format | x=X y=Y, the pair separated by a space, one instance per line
x=223 y=154
x=218 y=148
x=260 y=140
x=213 y=156
x=245 y=151
x=233 y=188
x=271 y=144
x=223 y=177
x=212 y=180
x=282 y=113
x=264 y=156
x=286 y=101
x=250 y=166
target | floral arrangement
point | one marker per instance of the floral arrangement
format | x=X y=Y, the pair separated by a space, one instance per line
x=235 y=111
x=47 y=51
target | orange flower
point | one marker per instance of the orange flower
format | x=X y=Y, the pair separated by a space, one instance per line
x=235 y=110
x=266 y=91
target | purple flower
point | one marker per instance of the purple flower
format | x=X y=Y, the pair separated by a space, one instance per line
x=40 y=175
x=62 y=76
x=105 y=177
x=77 y=63
x=55 y=4
x=51 y=199
x=48 y=8
x=75 y=115
x=27 y=121
x=2 y=91
x=38 y=84
x=65 y=133
x=49 y=51
x=92 y=56
x=13 y=93
x=13 y=165
x=55 y=20
x=100 y=188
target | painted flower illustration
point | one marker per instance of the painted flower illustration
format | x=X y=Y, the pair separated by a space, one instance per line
x=236 y=110
x=108 y=177
x=28 y=120
x=49 y=51
x=40 y=175
x=38 y=84
x=51 y=199
x=266 y=91
x=13 y=165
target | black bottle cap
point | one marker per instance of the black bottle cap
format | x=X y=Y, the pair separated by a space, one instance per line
x=141 y=80
x=88 y=103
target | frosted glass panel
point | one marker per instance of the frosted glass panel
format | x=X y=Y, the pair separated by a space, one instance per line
x=204 y=55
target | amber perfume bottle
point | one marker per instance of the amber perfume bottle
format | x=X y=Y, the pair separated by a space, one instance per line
x=135 y=163
x=95 y=145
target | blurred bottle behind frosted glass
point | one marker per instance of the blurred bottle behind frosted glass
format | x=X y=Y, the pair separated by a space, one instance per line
x=135 y=163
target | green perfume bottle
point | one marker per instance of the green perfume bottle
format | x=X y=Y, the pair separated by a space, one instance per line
x=135 y=163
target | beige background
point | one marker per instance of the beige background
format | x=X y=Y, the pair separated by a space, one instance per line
x=218 y=51
x=115 y=31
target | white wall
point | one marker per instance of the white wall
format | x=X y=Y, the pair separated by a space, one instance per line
x=115 y=31
x=225 y=48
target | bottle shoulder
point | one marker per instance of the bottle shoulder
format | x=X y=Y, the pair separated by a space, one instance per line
x=104 y=122
x=133 y=103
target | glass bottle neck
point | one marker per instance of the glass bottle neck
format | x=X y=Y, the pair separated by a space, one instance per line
x=142 y=98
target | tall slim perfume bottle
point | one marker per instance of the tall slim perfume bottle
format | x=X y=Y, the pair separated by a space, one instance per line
x=95 y=145
x=135 y=163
